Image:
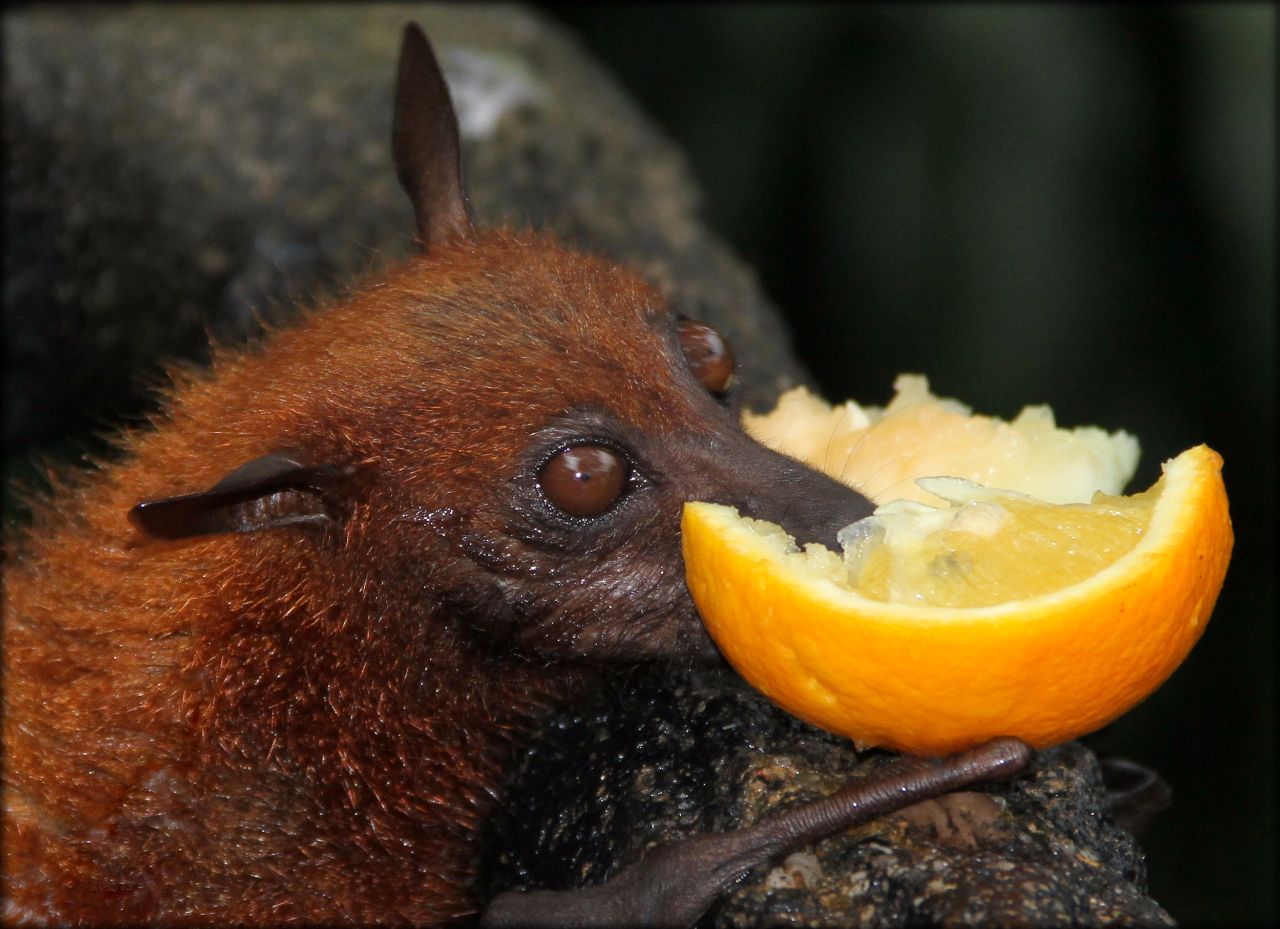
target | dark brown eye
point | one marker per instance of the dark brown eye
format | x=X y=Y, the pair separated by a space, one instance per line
x=584 y=480
x=708 y=354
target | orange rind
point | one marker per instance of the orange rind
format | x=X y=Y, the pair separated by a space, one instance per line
x=863 y=647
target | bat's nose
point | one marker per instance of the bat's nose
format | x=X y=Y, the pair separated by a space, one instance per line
x=764 y=484
x=810 y=506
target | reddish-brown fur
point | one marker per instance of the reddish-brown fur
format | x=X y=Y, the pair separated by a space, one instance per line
x=294 y=721
x=184 y=716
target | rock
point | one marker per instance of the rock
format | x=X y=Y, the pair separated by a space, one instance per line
x=667 y=756
x=175 y=169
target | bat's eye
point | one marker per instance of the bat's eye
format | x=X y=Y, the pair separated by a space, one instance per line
x=708 y=354
x=584 y=480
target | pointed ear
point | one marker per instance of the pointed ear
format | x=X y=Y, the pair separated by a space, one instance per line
x=424 y=140
x=268 y=492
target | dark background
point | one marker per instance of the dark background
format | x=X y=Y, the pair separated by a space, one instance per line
x=1072 y=205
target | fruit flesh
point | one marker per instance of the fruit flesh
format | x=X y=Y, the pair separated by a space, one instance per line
x=1046 y=513
x=990 y=549
x=881 y=452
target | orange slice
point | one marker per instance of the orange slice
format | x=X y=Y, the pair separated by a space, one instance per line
x=932 y=635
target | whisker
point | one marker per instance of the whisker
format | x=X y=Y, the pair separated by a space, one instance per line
x=869 y=481
x=826 y=455
x=866 y=434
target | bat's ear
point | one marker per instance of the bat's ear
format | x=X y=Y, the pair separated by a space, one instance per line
x=266 y=493
x=424 y=140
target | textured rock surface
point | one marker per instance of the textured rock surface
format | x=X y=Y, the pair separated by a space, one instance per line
x=174 y=169
x=661 y=758
x=181 y=167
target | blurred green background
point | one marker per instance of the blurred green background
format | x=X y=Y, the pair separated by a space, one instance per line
x=1072 y=205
